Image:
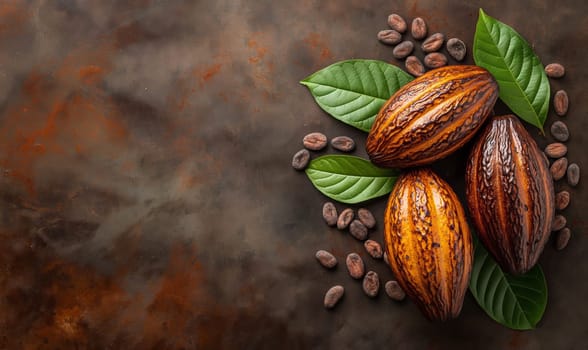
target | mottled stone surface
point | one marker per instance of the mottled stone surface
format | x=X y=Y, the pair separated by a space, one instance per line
x=147 y=196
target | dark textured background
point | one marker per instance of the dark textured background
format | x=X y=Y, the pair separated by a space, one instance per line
x=146 y=191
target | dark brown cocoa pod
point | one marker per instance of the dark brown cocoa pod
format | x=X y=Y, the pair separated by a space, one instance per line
x=431 y=116
x=513 y=208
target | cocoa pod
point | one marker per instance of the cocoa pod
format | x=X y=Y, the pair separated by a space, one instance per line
x=432 y=116
x=510 y=196
x=428 y=243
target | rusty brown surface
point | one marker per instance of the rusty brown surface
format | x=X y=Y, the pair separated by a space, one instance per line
x=147 y=201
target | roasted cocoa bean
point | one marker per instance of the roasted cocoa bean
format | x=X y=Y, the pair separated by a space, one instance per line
x=371 y=284
x=330 y=214
x=456 y=48
x=389 y=37
x=562 y=200
x=333 y=295
x=556 y=150
x=397 y=23
x=435 y=60
x=559 y=131
x=374 y=249
x=433 y=43
x=326 y=259
x=366 y=217
x=414 y=66
x=573 y=174
x=418 y=28
x=562 y=238
x=555 y=70
x=355 y=266
x=345 y=218
x=315 y=141
x=558 y=168
x=394 y=291
x=301 y=159
x=559 y=222
x=403 y=49
x=343 y=143
x=358 y=230
x=561 y=103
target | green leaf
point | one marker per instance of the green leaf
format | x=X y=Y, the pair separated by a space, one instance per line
x=517 y=302
x=524 y=86
x=350 y=179
x=353 y=91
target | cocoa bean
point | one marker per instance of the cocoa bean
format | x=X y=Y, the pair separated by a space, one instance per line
x=403 y=49
x=343 y=143
x=562 y=238
x=559 y=222
x=435 y=60
x=394 y=291
x=555 y=70
x=326 y=259
x=330 y=213
x=333 y=295
x=371 y=284
x=358 y=230
x=374 y=249
x=386 y=259
x=418 y=28
x=315 y=141
x=389 y=37
x=414 y=66
x=355 y=266
x=456 y=48
x=573 y=174
x=561 y=103
x=558 y=168
x=559 y=131
x=366 y=217
x=301 y=159
x=397 y=23
x=556 y=150
x=345 y=218
x=562 y=200
x=433 y=42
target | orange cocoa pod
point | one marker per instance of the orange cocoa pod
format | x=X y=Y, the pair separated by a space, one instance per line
x=428 y=243
x=432 y=116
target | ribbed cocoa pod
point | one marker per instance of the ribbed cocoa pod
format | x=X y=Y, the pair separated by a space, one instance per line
x=432 y=116
x=428 y=243
x=510 y=194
